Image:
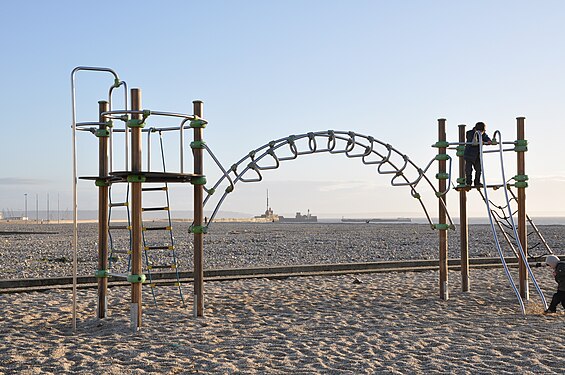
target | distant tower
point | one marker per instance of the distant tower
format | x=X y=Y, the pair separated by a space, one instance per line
x=268 y=212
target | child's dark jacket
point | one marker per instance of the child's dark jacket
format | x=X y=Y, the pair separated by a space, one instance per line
x=560 y=276
x=471 y=152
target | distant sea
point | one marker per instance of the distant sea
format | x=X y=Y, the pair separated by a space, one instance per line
x=473 y=220
x=93 y=215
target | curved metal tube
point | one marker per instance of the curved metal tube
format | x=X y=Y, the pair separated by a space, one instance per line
x=75 y=180
x=181 y=143
x=126 y=141
x=112 y=114
x=498 y=247
x=520 y=248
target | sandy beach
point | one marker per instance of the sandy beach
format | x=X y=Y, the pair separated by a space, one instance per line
x=354 y=324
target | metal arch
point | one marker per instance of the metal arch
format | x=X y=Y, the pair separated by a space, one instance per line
x=350 y=140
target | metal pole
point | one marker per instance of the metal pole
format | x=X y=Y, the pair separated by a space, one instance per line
x=198 y=218
x=25 y=195
x=136 y=208
x=522 y=233
x=103 y=170
x=442 y=182
x=463 y=223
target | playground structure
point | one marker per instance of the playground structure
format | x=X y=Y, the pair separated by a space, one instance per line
x=387 y=159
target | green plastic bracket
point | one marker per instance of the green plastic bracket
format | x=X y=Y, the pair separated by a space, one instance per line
x=461 y=180
x=521 y=177
x=521 y=145
x=102 y=133
x=442 y=176
x=116 y=83
x=521 y=184
x=101 y=273
x=136 y=123
x=229 y=189
x=199 y=229
x=136 y=178
x=102 y=183
x=441 y=144
x=460 y=150
x=417 y=195
x=134 y=279
x=110 y=124
x=521 y=142
x=198 y=123
x=494 y=142
x=197 y=144
x=210 y=191
x=442 y=157
x=441 y=226
x=198 y=181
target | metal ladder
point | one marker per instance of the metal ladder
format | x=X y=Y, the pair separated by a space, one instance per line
x=158 y=239
x=116 y=231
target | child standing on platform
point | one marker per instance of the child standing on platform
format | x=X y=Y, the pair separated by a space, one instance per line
x=471 y=154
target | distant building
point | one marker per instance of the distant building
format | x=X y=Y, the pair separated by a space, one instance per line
x=299 y=218
x=16 y=218
x=269 y=214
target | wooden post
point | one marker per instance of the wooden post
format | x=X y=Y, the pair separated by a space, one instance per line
x=522 y=232
x=103 y=189
x=198 y=218
x=463 y=223
x=136 y=209
x=443 y=270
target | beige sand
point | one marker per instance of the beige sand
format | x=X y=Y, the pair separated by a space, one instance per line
x=389 y=323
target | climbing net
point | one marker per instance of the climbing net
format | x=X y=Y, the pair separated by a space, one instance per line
x=369 y=150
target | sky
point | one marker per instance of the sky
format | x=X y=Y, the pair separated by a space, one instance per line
x=269 y=69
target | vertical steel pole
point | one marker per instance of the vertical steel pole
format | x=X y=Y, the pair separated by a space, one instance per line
x=463 y=223
x=102 y=209
x=136 y=208
x=198 y=218
x=522 y=232
x=442 y=183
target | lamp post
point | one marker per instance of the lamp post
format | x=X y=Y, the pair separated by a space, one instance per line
x=25 y=214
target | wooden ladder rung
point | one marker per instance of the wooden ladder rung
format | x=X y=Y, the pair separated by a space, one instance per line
x=155 y=209
x=165 y=247
x=121 y=204
x=154 y=188
x=157 y=228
